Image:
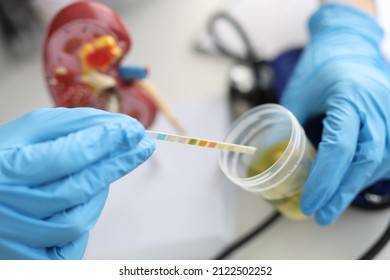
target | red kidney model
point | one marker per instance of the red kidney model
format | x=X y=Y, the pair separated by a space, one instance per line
x=84 y=46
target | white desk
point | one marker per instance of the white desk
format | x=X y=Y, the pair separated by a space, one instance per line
x=163 y=32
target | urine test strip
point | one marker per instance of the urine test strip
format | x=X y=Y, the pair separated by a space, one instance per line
x=201 y=142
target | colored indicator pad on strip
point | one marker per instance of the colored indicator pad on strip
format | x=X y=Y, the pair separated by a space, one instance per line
x=201 y=142
x=161 y=136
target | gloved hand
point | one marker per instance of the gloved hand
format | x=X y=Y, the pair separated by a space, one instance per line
x=55 y=169
x=342 y=75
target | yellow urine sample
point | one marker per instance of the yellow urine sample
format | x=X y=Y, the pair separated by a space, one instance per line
x=287 y=204
x=267 y=158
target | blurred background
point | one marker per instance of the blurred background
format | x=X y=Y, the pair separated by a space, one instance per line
x=187 y=209
x=161 y=41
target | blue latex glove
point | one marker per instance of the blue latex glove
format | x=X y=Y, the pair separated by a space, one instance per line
x=343 y=75
x=55 y=169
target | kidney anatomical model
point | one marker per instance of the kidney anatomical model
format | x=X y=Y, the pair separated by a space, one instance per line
x=84 y=46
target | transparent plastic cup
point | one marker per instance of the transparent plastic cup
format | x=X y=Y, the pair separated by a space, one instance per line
x=282 y=162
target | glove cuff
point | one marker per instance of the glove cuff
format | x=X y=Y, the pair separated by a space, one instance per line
x=342 y=19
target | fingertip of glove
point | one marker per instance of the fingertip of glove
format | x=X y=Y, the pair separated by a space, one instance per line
x=324 y=219
x=149 y=145
x=307 y=210
x=132 y=131
x=307 y=206
x=113 y=138
x=128 y=134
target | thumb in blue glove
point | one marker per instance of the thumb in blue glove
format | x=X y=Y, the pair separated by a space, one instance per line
x=55 y=169
x=342 y=75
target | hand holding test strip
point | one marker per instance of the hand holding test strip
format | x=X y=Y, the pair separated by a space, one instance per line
x=201 y=142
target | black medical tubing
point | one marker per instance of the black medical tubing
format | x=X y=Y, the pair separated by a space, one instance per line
x=250 y=55
x=370 y=254
x=378 y=245
x=239 y=243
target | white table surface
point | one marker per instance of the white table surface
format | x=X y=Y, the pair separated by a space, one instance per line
x=163 y=32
